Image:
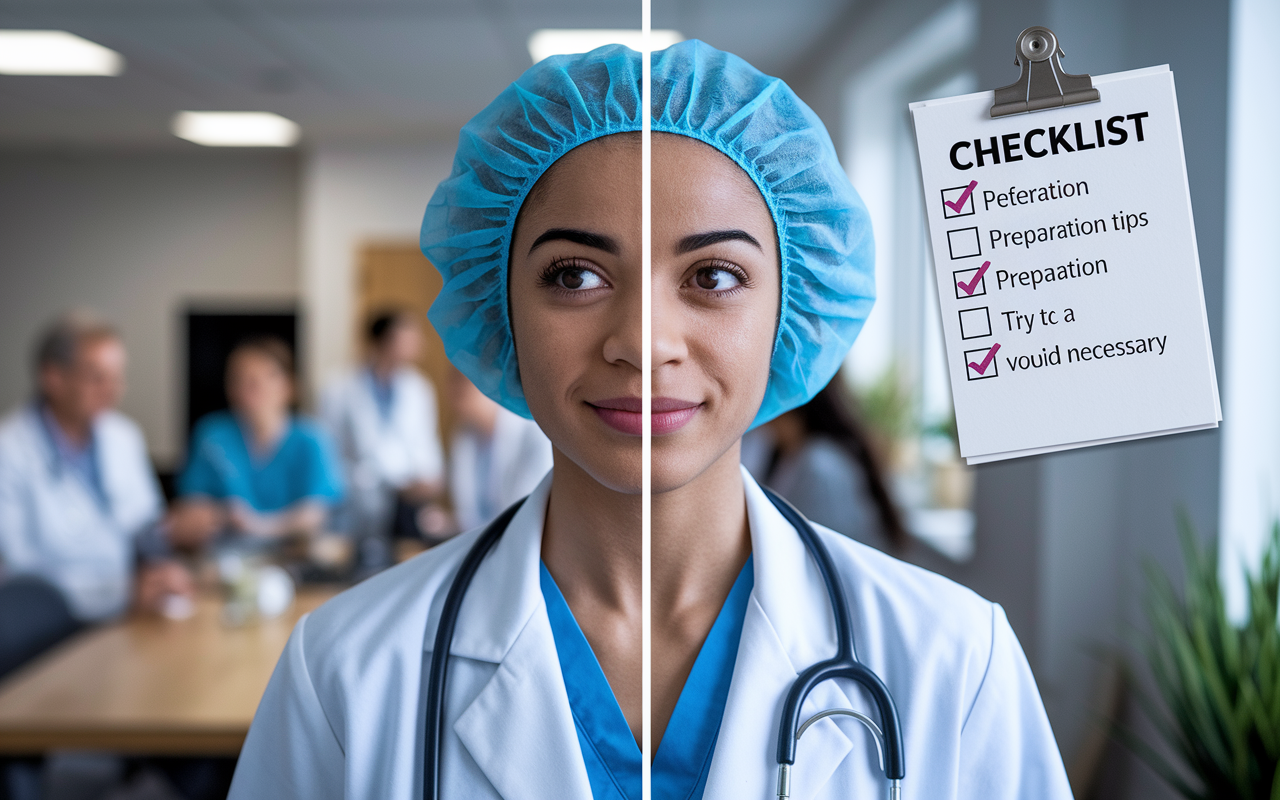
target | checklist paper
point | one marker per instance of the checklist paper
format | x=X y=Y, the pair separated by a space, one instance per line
x=1067 y=269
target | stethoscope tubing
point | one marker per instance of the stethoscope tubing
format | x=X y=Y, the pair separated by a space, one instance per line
x=439 y=673
x=844 y=665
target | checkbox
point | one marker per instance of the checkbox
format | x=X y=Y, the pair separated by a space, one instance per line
x=975 y=323
x=963 y=243
x=958 y=201
x=965 y=277
x=981 y=364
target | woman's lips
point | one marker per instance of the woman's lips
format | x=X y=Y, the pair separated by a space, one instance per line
x=623 y=414
x=671 y=414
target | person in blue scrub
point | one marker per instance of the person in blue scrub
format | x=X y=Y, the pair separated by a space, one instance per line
x=761 y=274
x=256 y=469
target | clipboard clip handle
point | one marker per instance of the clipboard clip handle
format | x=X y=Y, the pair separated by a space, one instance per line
x=1043 y=83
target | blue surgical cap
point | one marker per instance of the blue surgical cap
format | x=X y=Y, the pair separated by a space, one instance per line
x=823 y=230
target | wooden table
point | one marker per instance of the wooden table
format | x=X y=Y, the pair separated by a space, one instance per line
x=148 y=685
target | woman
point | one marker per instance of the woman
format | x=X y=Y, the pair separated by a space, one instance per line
x=761 y=267
x=256 y=470
x=820 y=459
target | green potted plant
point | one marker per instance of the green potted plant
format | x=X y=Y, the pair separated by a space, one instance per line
x=1218 y=684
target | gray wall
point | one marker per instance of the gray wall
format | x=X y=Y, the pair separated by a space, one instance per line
x=136 y=236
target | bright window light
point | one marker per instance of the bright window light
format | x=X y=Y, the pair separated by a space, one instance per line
x=560 y=41
x=235 y=128
x=55 y=53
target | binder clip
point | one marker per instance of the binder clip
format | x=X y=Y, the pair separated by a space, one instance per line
x=1043 y=83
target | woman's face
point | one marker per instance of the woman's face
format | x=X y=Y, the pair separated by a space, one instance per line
x=575 y=307
x=716 y=292
x=576 y=314
x=256 y=386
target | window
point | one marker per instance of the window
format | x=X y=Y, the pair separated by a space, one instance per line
x=898 y=366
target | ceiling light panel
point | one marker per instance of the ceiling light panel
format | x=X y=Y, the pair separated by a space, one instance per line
x=560 y=41
x=235 y=128
x=27 y=52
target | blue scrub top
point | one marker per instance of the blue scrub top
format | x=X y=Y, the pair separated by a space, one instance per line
x=611 y=754
x=220 y=465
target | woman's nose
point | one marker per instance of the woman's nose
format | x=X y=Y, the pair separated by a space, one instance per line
x=622 y=345
x=669 y=345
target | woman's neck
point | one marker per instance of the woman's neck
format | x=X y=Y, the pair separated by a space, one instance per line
x=700 y=538
x=700 y=542
x=591 y=539
x=265 y=429
x=591 y=546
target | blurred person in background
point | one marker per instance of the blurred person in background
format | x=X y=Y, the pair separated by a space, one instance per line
x=80 y=505
x=384 y=418
x=256 y=470
x=819 y=457
x=496 y=456
x=80 y=510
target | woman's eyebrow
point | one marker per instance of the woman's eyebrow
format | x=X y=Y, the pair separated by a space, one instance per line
x=586 y=238
x=698 y=241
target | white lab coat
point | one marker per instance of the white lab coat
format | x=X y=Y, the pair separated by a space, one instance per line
x=519 y=456
x=51 y=523
x=380 y=455
x=343 y=715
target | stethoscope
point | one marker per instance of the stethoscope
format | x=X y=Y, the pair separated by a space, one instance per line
x=845 y=664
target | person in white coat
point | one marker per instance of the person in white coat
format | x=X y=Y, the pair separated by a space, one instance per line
x=496 y=457
x=385 y=420
x=761 y=277
x=79 y=502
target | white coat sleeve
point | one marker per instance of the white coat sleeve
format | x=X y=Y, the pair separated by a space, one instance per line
x=291 y=752
x=1007 y=749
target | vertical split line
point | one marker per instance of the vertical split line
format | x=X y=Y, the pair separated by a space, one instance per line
x=646 y=401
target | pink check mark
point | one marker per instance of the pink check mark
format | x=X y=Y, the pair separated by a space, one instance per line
x=986 y=362
x=964 y=198
x=968 y=287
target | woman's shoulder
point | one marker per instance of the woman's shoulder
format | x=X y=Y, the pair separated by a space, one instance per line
x=926 y=608
x=823 y=463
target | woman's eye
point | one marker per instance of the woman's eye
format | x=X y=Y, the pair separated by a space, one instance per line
x=577 y=279
x=715 y=279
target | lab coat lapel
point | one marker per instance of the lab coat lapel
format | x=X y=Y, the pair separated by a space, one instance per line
x=788 y=626
x=519 y=729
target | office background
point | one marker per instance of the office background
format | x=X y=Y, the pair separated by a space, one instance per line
x=101 y=206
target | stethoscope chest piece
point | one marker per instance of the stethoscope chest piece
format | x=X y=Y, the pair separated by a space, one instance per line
x=845 y=664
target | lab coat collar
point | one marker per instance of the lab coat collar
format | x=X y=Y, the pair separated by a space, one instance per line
x=55 y=444
x=788 y=626
x=519 y=729
x=488 y=626
x=58 y=452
